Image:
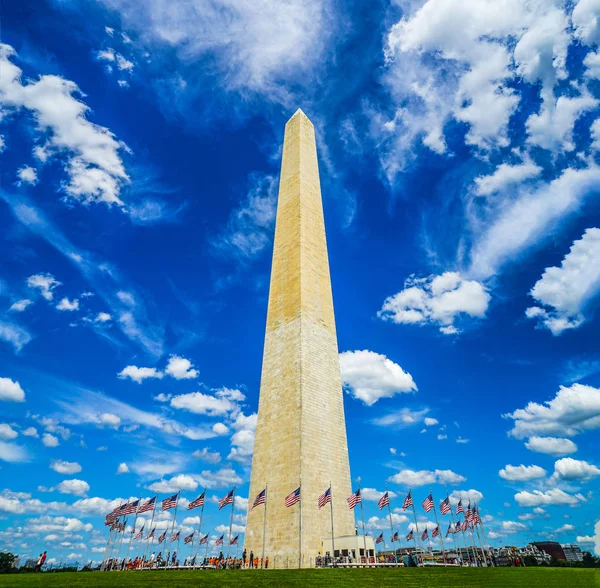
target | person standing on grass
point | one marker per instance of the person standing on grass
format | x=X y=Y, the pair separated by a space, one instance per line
x=267 y=562
x=251 y=559
x=244 y=556
x=38 y=564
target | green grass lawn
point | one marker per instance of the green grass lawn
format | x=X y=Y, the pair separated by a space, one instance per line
x=363 y=578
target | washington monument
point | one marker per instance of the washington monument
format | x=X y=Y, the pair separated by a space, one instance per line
x=301 y=431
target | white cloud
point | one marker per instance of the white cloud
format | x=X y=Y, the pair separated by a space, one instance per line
x=207 y=456
x=162 y=397
x=551 y=445
x=76 y=487
x=442 y=436
x=573 y=410
x=65 y=467
x=68 y=305
x=123 y=468
x=566 y=528
x=510 y=527
x=27 y=175
x=180 y=482
x=180 y=368
x=110 y=420
x=7 y=432
x=424 y=477
x=45 y=283
x=370 y=376
x=102 y=317
x=472 y=495
x=461 y=440
x=554 y=496
x=94 y=166
x=11 y=391
x=220 y=429
x=14 y=334
x=506 y=176
x=522 y=473
x=20 y=305
x=30 y=432
x=567 y=289
x=438 y=300
x=139 y=374
x=429 y=422
x=13 y=453
x=50 y=440
x=219 y=479
x=383 y=523
x=570 y=469
x=401 y=418
x=48 y=524
x=200 y=403
x=373 y=495
x=585 y=18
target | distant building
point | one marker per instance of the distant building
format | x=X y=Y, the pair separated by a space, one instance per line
x=572 y=552
x=531 y=550
x=552 y=548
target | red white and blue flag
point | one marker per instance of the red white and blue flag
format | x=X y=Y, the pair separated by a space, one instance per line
x=325 y=498
x=435 y=532
x=425 y=535
x=204 y=539
x=219 y=541
x=410 y=536
x=147 y=505
x=395 y=537
x=261 y=498
x=293 y=498
x=131 y=507
x=175 y=537
x=235 y=540
x=428 y=503
x=162 y=537
x=408 y=501
x=198 y=502
x=464 y=526
x=227 y=499
x=457 y=527
x=151 y=534
x=354 y=499
x=445 y=507
x=449 y=530
x=384 y=500
x=469 y=514
x=379 y=539
x=188 y=539
x=141 y=532
x=459 y=507
x=170 y=502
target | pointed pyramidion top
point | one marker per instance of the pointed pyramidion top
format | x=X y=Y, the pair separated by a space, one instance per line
x=299 y=112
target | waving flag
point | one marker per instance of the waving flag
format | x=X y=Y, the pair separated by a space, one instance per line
x=293 y=498
x=141 y=532
x=408 y=501
x=428 y=503
x=379 y=539
x=162 y=537
x=395 y=537
x=131 y=507
x=147 y=505
x=151 y=534
x=261 y=498
x=384 y=500
x=175 y=537
x=476 y=517
x=410 y=536
x=354 y=499
x=188 y=539
x=170 y=502
x=457 y=527
x=235 y=540
x=459 y=507
x=198 y=502
x=425 y=535
x=449 y=530
x=435 y=532
x=469 y=514
x=219 y=541
x=445 y=507
x=204 y=539
x=464 y=526
x=227 y=499
x=325 y=498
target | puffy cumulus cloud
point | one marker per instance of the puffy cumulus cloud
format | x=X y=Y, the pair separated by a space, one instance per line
x=20 y=305
x=50 y=440
x=429 y=422
x=95 y=505
x=220 y=478
x=48 y=524
x=68 y=305
x=220 y=429
x=123 y=468
x=564 y=291
x=249 y=229
x=30 y=432
x=242 y=446
x=13 y=453
x=471 y=495
x=551 y=445
x=44 y=283
x=522 y=473
x=573 y=410
x=370 y=376
x=510 y=527
x=383 y=523
x=374 y=495
x=65 y=467
x=11 y=391
x=206 y=455
x=27 y=175
x=552 y=497
x=423 y=477
x=139 y=374
x=93 y=155
x=180 y=368
x=566 y=528
x=110 y=420
x=570 y=469
x=7 y=432
x=437 y=300
x=224 y=402
x=174 y=484
x=235 y=529
x=506 y=176
x=75 y=486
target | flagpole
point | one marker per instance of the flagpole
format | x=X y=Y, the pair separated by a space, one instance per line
x=391 y=525
x=437 y=522
x=151 y=523
x=120 y=543
x=230 y=524
x=200 y=527
x=106 y=550
x=415 y=517
x=362 y=514
x=265 y=523
x=178 y=552
x=484 y=537
x=300 y=526
x=173 y=527
x=456 y=543
x=133 y=530
x=206 y=554
x=481 y=544
x=332 y=534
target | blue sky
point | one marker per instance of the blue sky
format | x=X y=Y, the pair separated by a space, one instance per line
x=458 y=146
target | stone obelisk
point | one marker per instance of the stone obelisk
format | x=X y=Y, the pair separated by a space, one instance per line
x=301 y=430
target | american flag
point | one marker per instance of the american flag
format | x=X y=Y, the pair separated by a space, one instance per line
x=175 y=537
x=151 y=534
x=410 y=536
x=379 y=539
x=235 y=540
x=110 y=520
x=449 y=531
x=408 y=501
x=354 y=499
x=227 y=499
x=131 y=507
x=293 y=498
x=445 y=507
x=428 y=503
x=120 y=511
x=425 y=535
x=170 y=502
x=219 y=541
x=141 y=532
x=384 y=500
x=147 y=505
x=261 y=498
x=459 y=507
x=435 y=532
x=457 y=527
x=464 y=526
x=395 y=537
x=469 y=514
x=325 y=498
x=476 y=517
x=204 y=539
x=188 y=539
x=162 y=537
x=198 y=502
